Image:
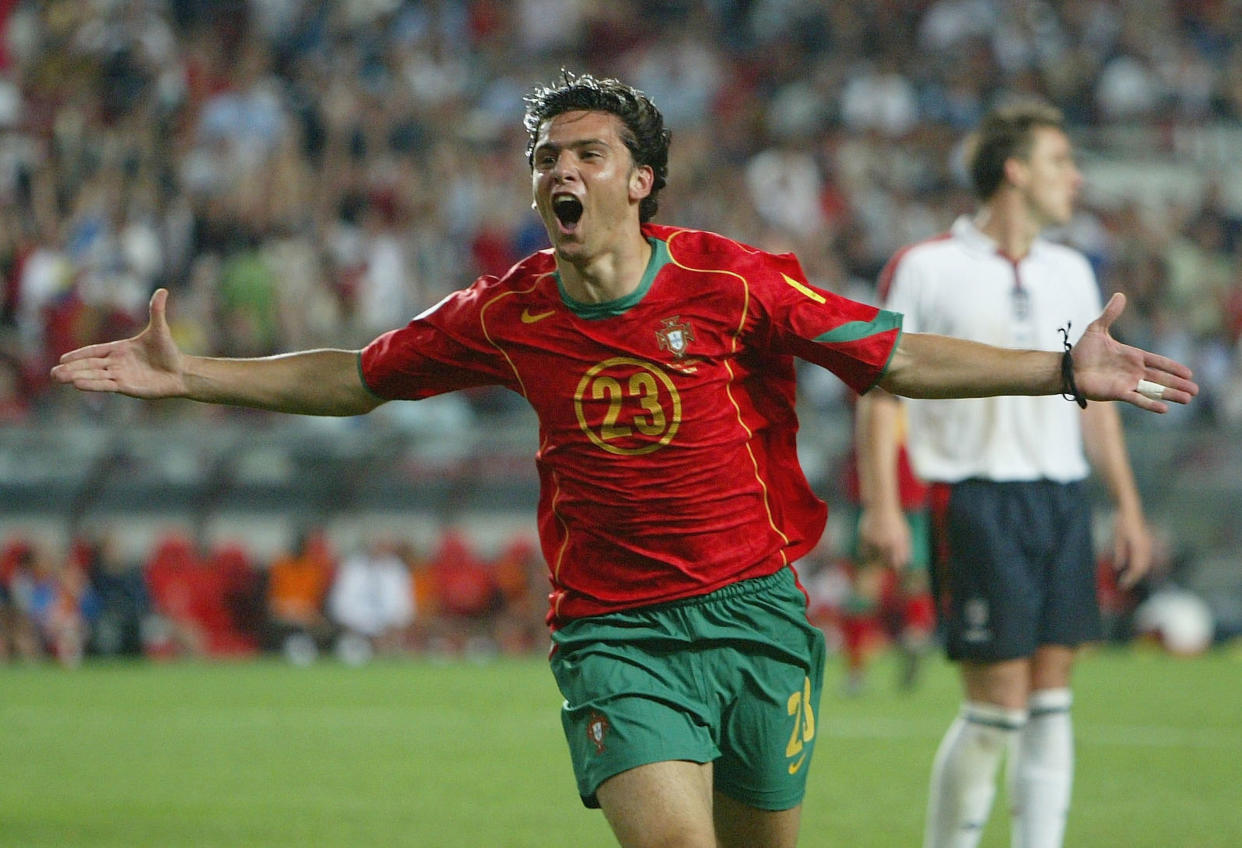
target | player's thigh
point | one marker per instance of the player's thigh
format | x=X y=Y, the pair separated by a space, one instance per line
x=740 y=825
x=660 y=804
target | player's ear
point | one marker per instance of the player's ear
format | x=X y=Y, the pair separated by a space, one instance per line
x=641 y=180
x=1016 y=171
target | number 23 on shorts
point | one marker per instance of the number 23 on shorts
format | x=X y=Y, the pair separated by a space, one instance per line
x=799 y=706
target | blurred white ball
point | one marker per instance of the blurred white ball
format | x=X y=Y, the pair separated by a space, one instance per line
x=1181 y=620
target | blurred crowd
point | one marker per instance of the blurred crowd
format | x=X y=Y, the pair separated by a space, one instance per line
x=446 y=599
x=306 y=173
x=184 y=599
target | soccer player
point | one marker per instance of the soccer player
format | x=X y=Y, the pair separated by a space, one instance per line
x=888 y=600
x=1015 y=572
x=659 y=363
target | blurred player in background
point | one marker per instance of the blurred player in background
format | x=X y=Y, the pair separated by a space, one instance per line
x=1015 y=572
x=659 y=363
x=887 y=603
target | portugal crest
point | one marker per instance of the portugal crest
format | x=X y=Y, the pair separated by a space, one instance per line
x=675 y=335
x=597 y=729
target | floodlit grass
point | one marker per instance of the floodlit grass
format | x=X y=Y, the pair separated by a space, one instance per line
x=1159 y=757
x=415 y=753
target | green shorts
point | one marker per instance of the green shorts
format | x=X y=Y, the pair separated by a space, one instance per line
x=731 y=678
x=920 y=538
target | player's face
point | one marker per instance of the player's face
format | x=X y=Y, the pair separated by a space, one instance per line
x=586 y=185
x=1052 y=179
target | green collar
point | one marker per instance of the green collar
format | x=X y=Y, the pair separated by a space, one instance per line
x=608 y=309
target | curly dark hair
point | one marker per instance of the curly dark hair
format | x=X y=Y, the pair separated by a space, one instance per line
x=1007 y=132
x=644 y=133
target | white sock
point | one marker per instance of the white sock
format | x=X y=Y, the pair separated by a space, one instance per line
x=1042 y=771
x=963 y=781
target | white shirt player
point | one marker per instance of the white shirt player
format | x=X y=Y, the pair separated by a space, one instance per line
x=960 y=284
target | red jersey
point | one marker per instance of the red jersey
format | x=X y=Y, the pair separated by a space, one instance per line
x=667 y=458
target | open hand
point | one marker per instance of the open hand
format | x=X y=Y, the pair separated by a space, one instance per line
x=1106 y=369
x=148 y=365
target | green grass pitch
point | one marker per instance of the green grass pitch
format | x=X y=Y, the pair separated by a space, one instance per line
x=471 y=756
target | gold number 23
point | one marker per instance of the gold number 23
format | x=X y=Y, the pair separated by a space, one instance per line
x=804 y=724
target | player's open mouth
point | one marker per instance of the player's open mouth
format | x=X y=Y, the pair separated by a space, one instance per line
x=568 y=210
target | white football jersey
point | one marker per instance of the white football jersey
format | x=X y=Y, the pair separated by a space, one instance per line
x=960 y=284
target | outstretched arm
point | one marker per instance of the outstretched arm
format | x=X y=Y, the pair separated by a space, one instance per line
x=930 y=366
x=150 y=365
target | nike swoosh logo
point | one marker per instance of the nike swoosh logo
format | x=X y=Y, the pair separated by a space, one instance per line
x=793 y=767
x=528 y=318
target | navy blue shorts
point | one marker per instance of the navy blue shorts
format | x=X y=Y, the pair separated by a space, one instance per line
x=1014 y=568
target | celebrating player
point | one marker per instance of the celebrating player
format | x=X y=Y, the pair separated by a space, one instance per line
x=659 y=363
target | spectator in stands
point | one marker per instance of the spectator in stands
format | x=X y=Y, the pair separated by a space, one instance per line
x=372 y=602
x=520 y=575
x=48 y=594
x=171 y=629
x=121 y=596
x=231 y=601
x=14 y=404
x=18 y=634
x=426 y=596
x=469 y=596
x=297 y=587
x=195 y=601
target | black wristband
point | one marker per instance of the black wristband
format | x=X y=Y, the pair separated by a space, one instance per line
x=1069 y=389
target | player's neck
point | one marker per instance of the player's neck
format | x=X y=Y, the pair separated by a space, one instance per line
x=1007 y=223
x=608 y=275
